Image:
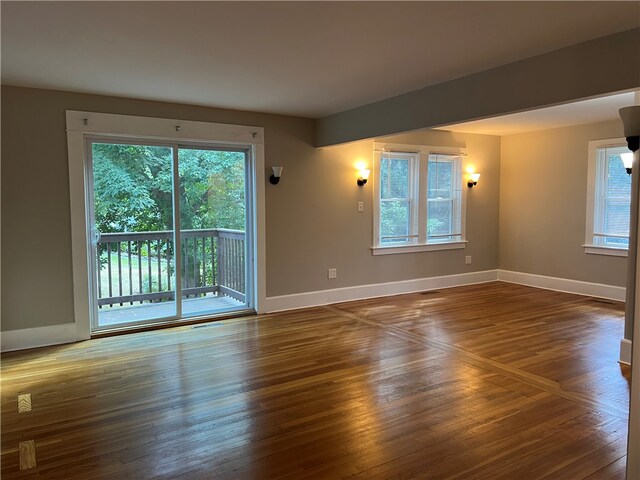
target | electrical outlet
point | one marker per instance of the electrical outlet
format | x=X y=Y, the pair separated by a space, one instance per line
x=361 y=206
x=467 y=259
x=333 y=273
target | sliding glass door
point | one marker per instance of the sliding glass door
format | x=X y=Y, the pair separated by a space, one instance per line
x=169 y=232
x=212 y=229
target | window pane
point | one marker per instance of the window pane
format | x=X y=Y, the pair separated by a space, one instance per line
x=617 y=218
x=394 y=221
x=439 y=217
x=394 y=177
x=212 y=190
x=618 y=181
x=440 y=179
x=616 y=242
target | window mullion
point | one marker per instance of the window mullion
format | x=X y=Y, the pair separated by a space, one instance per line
x=421 y=189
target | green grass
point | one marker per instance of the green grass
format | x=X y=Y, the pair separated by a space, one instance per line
x=132 y=288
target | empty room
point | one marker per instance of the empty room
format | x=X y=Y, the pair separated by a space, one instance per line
x=320 y=240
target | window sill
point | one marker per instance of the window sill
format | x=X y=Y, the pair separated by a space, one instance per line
x=393 y=249
x=611 y=251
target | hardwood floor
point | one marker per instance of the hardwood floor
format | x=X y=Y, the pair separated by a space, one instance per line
x=492 y=381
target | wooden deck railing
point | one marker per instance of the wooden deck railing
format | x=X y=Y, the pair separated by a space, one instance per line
x=139 y=267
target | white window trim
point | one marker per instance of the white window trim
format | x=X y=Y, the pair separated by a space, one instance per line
x=459 y=178
x=423 y=152
x=415 y=172
x=600 y=250
x=82 y=124
x=428 y=247
x=588 y=246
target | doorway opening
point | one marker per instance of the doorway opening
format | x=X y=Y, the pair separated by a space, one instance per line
x=170 y=229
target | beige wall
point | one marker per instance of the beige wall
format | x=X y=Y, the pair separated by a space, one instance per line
x=543 y=178
x=312 y=221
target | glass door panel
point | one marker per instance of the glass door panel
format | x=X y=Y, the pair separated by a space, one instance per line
x=132 y=235
x=213 y=229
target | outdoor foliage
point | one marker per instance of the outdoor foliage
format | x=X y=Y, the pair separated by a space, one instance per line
x=394 y=197
x=133 y=188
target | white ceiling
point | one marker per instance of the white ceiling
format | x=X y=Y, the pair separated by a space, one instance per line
x=300 y=58
x=577 y=113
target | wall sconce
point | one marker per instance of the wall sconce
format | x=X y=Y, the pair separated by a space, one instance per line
x=631 y=121
x=363 y=176
x=627 y=161
x=473 y=180
x=275 y=176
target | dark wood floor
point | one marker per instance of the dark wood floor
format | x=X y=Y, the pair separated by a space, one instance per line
x=494 y=381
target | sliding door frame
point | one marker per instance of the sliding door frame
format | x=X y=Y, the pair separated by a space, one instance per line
x=249 y=194
x=84 y=125
x=90 y=204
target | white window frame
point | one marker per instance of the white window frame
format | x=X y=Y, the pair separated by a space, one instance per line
x=590 y=246
x=83 y=124
x=418 y=241
x=457 y=210
x=413 y=170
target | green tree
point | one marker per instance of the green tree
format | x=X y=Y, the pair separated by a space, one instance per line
x=133 y=188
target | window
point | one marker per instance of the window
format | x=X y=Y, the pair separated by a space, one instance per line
x=444 y=199
x=419 y=199
x=609 y=198
x=397 y=203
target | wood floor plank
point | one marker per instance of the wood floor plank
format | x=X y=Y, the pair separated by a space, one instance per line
x=614 y=471
x=485 y=381
x=27 y=451
x=24 y=402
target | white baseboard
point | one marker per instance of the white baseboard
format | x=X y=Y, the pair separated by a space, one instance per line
x=361 y=292
x=325 y=297
x=38 y=337
x=564 y=285
x=625 y=351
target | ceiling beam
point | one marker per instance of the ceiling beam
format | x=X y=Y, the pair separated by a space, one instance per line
x=589 y=69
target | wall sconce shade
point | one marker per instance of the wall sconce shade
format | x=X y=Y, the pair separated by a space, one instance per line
x=631 y=122
x=363 y=176
x=275 y=176
x=627 y=161
x=473 y=180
